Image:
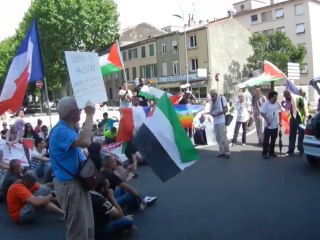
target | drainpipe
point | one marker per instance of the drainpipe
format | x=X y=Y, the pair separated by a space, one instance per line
x=209 y=60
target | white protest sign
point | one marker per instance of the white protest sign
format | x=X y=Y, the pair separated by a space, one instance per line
x=86 y=77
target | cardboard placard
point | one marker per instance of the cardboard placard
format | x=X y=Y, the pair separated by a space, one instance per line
x=86 y=77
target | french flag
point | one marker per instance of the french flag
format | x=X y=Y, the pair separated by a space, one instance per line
x=26 y=67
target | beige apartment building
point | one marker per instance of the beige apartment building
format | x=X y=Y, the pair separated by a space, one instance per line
x=172 y=65
x=299 y=19
x=140 y=59
x=219 y=48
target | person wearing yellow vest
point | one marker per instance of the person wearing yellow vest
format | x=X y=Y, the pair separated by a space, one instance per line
x=297 y=109
x=110 y=135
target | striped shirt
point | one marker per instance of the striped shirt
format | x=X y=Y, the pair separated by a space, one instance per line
x=34 y=162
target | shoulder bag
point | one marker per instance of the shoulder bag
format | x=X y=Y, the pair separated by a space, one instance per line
x=87 y=174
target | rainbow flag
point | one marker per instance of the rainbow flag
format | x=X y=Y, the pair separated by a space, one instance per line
x=186 y=113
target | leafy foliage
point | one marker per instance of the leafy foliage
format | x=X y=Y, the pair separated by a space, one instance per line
x=7 y=51
x=276 y=48
x=84 y=25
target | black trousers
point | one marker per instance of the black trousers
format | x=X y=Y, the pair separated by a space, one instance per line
x=236 y=132
x=269 y=141
x=200 y=136
x=294 y=128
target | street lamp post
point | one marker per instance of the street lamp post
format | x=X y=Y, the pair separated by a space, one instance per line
x=185 y=45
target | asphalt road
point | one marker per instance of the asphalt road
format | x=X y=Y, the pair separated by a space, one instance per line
x=245 y=197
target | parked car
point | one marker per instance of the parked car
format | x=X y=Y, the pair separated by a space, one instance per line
x=311 y=142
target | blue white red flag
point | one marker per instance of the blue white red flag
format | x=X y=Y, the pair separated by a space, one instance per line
x=26 y=67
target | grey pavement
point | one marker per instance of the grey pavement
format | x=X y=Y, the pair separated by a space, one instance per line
x=245 y=197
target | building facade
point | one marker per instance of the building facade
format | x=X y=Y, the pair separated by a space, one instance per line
x=216 y=54
x=299 y=19
x=219 y=48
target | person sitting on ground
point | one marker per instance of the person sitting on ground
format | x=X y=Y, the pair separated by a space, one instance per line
x=99 y=132
x=125 y=194
x=4 y=130
x=29 y=132
x=12 y=137
x=13 y=174
x=95 y=155
x=108 y=219
x=111 y=135
x=37 y=129
x=44 y=134
x=200 y=130
x=132 y=154
x=108 y=122
x=25 y=195
x=40 y=163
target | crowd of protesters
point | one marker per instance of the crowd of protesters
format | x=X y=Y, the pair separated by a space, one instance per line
x=50 y=181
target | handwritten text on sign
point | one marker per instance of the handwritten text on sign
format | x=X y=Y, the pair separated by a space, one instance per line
x=86 y=78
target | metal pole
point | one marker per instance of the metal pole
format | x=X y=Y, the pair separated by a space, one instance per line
x=122 y=63
x=41 y=104
x=47 y=96
x=186 y=49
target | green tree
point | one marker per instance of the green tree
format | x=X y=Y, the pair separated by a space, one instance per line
x=276 y=48
x=84 y=25
x=7 y=51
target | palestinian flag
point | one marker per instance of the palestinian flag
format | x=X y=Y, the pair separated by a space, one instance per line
x=163 y=142
x=151 y=92
x=271 y=73
x=155 y=93
x=111 y=60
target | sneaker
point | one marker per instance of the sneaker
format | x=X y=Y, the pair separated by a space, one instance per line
x=227 y=156
x=243 y=144
x=273 y=155
x=265 y=156
x=150 y=200
x=131 y=231
x=289 y=153
x=130 y=216
x=221 y=155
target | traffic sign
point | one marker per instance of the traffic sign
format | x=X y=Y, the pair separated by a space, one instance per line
x=39 y=84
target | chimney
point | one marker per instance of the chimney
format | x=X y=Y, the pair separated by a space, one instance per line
x=271 y=2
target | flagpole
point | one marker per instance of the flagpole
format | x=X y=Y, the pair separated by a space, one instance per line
x=47 y=97
x=124 y=69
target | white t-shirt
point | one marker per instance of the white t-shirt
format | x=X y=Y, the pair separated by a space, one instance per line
x=34 y=162
x=126 y=102
x=242 y=111
x=247 y=97
x=272 y=113
x=217 y=107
